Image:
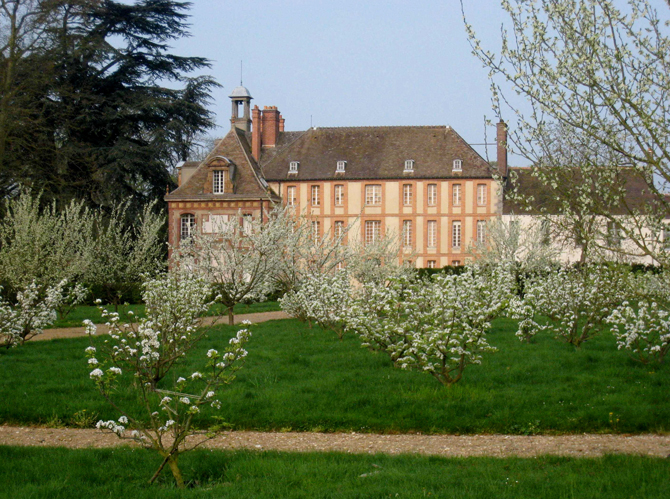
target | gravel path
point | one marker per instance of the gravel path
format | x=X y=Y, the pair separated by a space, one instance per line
x=365 y=443
x=76 y=332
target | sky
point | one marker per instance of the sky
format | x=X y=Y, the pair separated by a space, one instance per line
x=351 y=62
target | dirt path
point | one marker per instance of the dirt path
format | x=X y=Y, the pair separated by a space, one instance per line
x=365 y=443
x=75 y=332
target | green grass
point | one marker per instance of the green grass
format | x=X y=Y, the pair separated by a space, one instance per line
x=77 y=316
x=305 y=379
x=123 y=472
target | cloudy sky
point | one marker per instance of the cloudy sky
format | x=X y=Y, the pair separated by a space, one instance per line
x=351 y=62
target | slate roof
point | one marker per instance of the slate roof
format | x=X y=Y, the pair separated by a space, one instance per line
x=638 y=195
x=372 y=153
x=248 y=182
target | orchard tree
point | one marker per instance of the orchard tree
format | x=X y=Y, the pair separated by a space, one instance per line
x=596 y=73
x=641 y=324
x=34 y=310
x=238 y=260
x=44 y=245
x=575 y=301
x=304 y=253
x=125 y=251
x=508 y=242
x=436 y=326
x=143 y=355
x=323 y=298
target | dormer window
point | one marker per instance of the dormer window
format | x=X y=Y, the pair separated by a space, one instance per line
x=218 y=181
x=409 y=165
x=341 y=166
x=293 y=167
x=458 y=165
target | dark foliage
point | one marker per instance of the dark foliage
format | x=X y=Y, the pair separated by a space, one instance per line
x=99 y=109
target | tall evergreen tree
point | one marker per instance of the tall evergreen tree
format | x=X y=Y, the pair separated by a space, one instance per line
x=100 y=117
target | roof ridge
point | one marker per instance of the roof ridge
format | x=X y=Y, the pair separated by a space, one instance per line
x=375 y=126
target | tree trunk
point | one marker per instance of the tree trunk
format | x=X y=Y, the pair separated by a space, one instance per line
x=231 y=316
x=172 y=462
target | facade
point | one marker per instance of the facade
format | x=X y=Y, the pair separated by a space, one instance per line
x=425 y=184
x=607 y=233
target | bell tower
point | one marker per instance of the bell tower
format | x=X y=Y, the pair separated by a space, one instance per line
x=241 y=112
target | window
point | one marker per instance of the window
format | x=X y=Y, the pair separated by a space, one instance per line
x=456 y=263
x=456 y=234
x=291 y=198
x=316 y=229
x=316 y=195
x=456 y=191
x=247 y=226
x=218 y=181
x=407 y=194
x=409 y=165
x=341 y=165
x=432 y=195
x=373 y=231
x=613 y=234
x=293 y=167
x=339 y=195
x=187 y=226
x=338 y=229
x=432 y=234
x=407 y=233
x=481 y=194
x=458 y=165
x=431 y=264
x=481 y=231
x=373 y=195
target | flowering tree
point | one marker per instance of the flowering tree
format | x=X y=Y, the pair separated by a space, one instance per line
x=9 y=327
x=576 y=302
x=302 y=252
x=125 y=251
x=32 y=313
x=595 y=76
x=322 y=298
x=641 y=324
x=510 y=242
x=436 y=326
x=237 y=261
x=44 y=245
x=643 y=330
x=145 y=353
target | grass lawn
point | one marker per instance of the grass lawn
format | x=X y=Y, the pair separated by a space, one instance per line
x=77 y=316
x=305 y=379
x=45 y=472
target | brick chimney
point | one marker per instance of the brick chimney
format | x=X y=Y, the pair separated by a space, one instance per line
x=256 y=133
x=270 y=126
x=281 y=123
x=501 y=140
